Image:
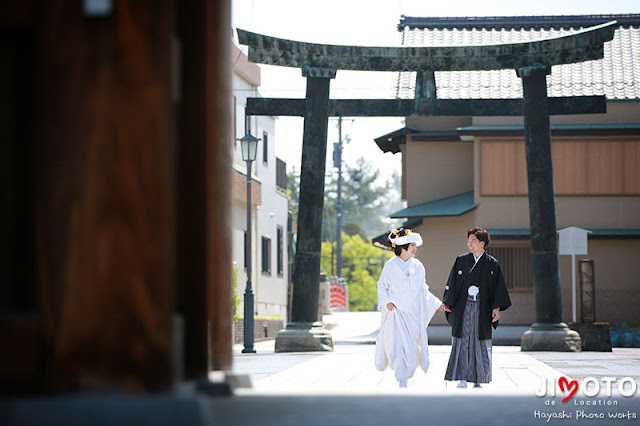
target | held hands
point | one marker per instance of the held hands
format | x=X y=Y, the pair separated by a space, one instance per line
x=495 y=315
x=444 y=308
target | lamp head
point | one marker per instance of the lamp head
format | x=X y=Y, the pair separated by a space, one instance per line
x=249 y=146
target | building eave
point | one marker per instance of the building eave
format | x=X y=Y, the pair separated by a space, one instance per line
x=455 y=205
x=556 y=130
x=595 y=234
x=391 y=141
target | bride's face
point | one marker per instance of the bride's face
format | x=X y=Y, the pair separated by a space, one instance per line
x=412 y=249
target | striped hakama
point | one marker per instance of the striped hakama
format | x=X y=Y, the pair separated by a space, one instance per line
x=470 y=358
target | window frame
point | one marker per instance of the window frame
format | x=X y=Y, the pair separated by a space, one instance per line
x=266 y=256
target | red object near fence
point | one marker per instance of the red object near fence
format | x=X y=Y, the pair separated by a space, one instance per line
x=338 y=296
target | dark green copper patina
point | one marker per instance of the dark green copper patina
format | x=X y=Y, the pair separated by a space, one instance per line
x=576 y=47
x=531 y=60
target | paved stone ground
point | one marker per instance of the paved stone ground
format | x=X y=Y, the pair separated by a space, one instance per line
x=350 y=369
x=295 y=386
x=344 y=388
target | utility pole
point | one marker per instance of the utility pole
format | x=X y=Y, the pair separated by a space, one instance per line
x=337 y=162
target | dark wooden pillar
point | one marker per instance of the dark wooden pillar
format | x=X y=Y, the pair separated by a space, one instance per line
x=549 y=333
x=302 y=334
x=204 y=209
x=104 y=185
x=219 y=155
x=21 y=366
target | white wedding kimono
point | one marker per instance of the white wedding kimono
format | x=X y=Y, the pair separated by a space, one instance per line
x=402 y=342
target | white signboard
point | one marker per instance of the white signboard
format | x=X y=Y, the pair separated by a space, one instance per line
x=573 y=241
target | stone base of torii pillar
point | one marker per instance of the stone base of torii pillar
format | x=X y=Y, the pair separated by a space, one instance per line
x=304 y=337
x=553 y=337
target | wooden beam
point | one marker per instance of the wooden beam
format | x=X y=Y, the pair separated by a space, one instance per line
x=204 y=208
x=426 y=107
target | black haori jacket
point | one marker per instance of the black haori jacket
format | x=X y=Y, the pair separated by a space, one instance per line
x=487 y=276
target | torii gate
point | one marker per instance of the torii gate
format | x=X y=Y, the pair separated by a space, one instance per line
x=532 y=62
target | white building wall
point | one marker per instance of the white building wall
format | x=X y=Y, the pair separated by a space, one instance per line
x=271 y=215
x=270 y=289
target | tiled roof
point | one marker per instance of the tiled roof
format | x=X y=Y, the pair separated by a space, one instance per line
x=617 y=75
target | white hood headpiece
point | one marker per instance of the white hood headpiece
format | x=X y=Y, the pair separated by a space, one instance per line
x=408 y=237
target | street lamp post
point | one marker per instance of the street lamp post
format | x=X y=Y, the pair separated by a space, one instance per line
x=249 y=146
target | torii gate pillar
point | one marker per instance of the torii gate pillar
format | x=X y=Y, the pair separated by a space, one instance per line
x=304 y=333
x=548 y=333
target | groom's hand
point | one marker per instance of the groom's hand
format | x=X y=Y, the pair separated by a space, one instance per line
x=495 y=315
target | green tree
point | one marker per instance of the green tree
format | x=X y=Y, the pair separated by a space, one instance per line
x=364 y=197
x=393 y=201
x=352 y=229
x=362 y=291
x=293 y=191
x=329 y=220
x=327 y=261
x=362 y=263
x=236 y=300
x=365 y=200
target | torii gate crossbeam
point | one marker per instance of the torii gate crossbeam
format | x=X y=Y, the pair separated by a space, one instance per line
x=426 y=107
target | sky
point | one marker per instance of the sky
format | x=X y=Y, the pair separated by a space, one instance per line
x=367 y=23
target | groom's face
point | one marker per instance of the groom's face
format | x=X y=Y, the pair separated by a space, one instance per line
x=474 y=244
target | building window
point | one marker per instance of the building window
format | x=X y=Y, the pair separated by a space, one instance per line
x=265 y=147
x=266 y=255
x=281 y=174
x=280 y=251
x=516 y=266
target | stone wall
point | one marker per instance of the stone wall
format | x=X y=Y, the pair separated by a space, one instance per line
x=262 y=329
